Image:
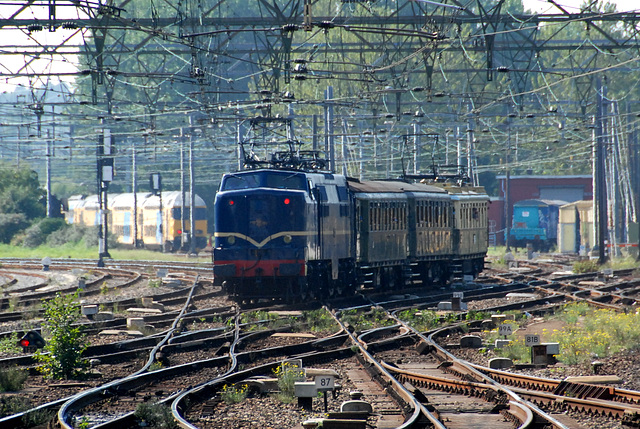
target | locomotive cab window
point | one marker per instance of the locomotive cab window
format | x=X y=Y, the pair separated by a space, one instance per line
x=277 y=180
x=245 y=181
x=284 y=181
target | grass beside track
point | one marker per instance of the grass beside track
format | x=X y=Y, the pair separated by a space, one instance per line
x=80 y=251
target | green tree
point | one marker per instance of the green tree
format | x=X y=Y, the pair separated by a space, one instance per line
x=20 y=192
x=65 y=342
x=10 y=224
x=20 y=200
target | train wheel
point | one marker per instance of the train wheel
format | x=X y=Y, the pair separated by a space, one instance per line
x=378 y=278
x=291 y=294
x=436 y=274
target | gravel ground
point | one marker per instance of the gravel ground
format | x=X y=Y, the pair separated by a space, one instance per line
x=267 y=411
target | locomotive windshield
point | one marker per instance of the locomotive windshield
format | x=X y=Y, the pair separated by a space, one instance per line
x=264 y=179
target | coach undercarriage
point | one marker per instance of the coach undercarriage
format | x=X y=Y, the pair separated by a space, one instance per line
x=318 y=283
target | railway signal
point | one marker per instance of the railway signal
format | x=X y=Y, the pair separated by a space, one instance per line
x=31 y=341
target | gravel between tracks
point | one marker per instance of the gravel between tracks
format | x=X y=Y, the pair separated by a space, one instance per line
x=268 y=412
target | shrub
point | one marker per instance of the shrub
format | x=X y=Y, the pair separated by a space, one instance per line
x=66 y=342
x=319 y=320
x=588 y=266
x=33 y=237
x=155 y=415
x=422 y=320
x=10 y=225
x=39 y=233
x=595 y=333
x=288 y=373
x=74 y=234
x=49 y=225
x=516 y=350
x=78 y=233
x=13 y=405
x=9 y=344
x=234 y=394
x=12 y=379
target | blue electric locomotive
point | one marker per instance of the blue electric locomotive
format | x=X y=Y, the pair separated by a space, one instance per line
x=283 y=233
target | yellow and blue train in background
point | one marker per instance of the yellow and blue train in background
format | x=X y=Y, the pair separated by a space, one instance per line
x=160 y=223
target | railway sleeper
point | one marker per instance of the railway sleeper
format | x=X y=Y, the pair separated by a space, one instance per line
x=584 y=391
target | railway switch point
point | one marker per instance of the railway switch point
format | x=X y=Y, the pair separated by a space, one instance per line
x=356 y=406
x=89 y=311
x=46 y=262
x=355 y=395
x=596 y=366
x=471 y=342
x=305 y=391
x=422 y=348
x=498 y=318
x=135 y=323
x=544 y=354
x=334 y=424
x=103 y=316
x=488 y=325
x=144 y=310
x=500 y=363
x=445 y=306
x=263 y=384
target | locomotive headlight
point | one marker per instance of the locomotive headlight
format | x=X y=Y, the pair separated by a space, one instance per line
x=287 y=239
x=231 y=240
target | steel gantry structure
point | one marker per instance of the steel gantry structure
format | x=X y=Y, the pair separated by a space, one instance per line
x=390 y=73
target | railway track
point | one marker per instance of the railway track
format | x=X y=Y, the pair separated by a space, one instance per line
x=185 y=368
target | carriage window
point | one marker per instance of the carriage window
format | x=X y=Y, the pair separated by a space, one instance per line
x=387 y=217
x=394 y=216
